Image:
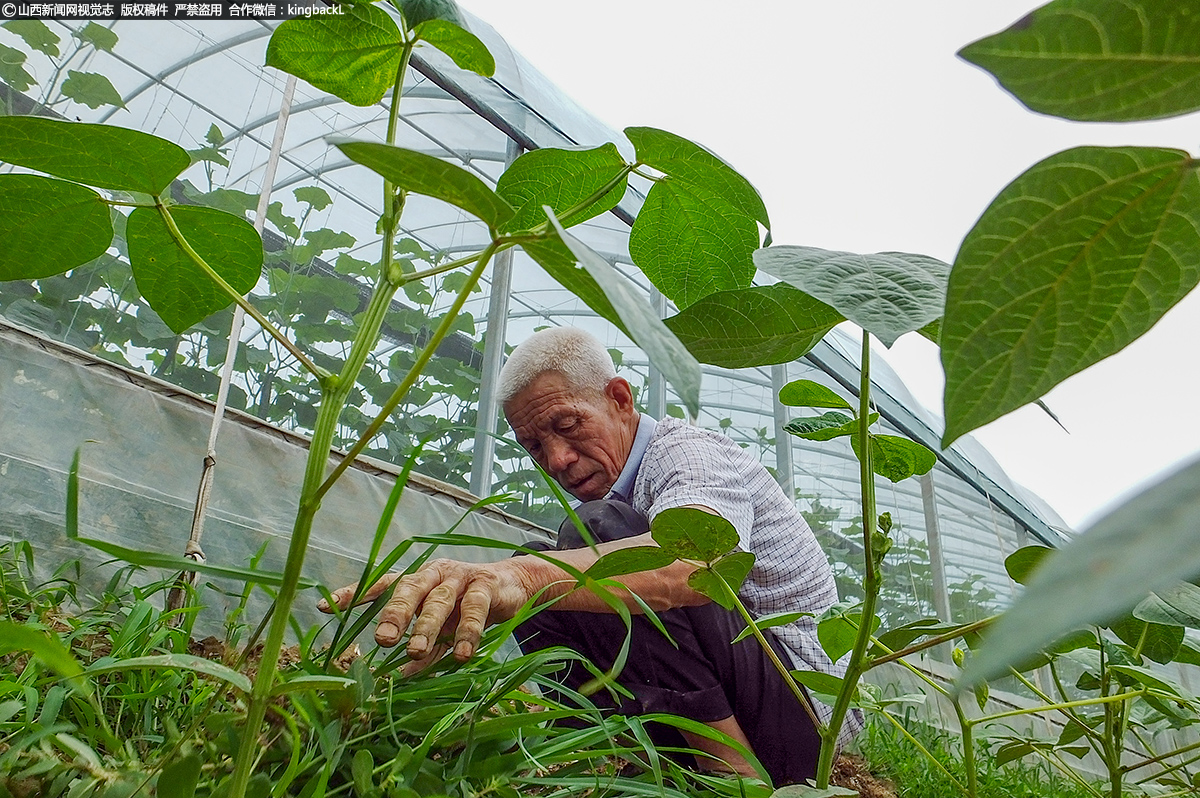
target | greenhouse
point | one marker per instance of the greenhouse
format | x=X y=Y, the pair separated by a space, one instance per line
x=195 y=441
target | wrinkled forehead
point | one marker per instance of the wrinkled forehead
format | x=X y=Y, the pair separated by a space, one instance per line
x=548 y=396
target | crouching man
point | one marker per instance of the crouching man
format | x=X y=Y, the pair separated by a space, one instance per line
x=576 y=418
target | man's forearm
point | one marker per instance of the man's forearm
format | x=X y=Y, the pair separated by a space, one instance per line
x=662 y=589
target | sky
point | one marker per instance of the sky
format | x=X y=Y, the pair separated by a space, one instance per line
x=864 y=132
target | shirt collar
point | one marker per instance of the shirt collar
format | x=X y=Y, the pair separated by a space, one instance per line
x=623 y=488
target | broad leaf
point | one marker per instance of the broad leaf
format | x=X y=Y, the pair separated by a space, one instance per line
x=97 y=36
x=418 y=11
x=179 y=777
x=690 y=534
x=178 y=289
x=1146 y=544
x=723 y=577
x=424 y=174
x=464 y=48
x=1022 y=562
x=1099 y=60
x=49 y=226
x=172 y=662
x=354 y=56
x=887 y=293
x=314 y=196
x=689 y=162
x=553 y=256
x=770 y=622
x=98 y=155
x=12 y=68
x=1175 y=606
x=1154 y=641
x=826 y=426
x=36 y=34
x=806 y=393
x=825 y=685
x=45 y=648
x=630 y=561
x=691 y=241
x=1072 y=261
x=1151 y=680
x=757 y=326
x=677 y=364
x=896 y=458
x=838 y=632
x=561 y=179
x=91 y=89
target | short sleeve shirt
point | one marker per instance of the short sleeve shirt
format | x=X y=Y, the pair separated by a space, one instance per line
x=685 y=465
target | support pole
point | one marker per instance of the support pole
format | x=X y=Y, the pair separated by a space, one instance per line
x=785 y=471
x=656 y=403
x=486 y=419
x=933 y=536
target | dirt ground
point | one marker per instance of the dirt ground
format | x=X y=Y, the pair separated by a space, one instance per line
x=851 y=771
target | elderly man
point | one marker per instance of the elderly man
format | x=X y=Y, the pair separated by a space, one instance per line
x=576 y=418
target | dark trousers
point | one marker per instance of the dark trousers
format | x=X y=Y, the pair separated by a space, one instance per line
x=705 y=679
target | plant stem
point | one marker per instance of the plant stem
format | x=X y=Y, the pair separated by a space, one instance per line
x=967 y=727
x=1088 y=731
x=241 y=301
x=871 y=582
x=1083 y=702
x=931 y=642
x=936 y=762
x=1161 y=757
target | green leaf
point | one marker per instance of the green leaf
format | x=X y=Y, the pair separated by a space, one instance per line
x=770 y=622
x=1022 y=562
x=1150 y=679
x=464 y=48
x=724 y=576
x=896 y=458
x=1146 y=544
x=806 y=393
x=823 y=684
x=670 y=356
x=179 y=777
x=354 y=56
x=690 y=534
x=630 y=561
x=36 y=34
x=689 y=162
x=1099 y=60
x=424 y=174
x=418 y=11
x=49 y=226
x=1072 y=261
x=837 y=632
x=97 y=36
x=756 y=326
x=553 y=256
x=1175 y=606
x=46 y=649
x=98 y=155
x=91 y=89
x=361 y=768
x=314 y=196
x=690 y=241
x=561 y=179
x=1154 y=641
x=319 y=681
x=173 y=662
x=178 y=290
x=887 y=293
x=12 y=68
x=826 y=426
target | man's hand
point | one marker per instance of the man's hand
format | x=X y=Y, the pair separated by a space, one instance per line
x=448 y=599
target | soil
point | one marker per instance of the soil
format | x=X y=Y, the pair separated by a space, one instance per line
x=852 y=772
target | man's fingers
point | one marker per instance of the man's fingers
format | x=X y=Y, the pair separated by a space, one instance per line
x=474 y=609
x=343 y=595
x=438 y=605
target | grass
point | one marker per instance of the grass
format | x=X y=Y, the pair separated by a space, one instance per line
x=895 y=758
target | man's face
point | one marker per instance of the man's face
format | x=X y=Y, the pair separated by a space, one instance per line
x=581 y=438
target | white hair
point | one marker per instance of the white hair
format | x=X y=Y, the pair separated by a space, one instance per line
x=576 y=354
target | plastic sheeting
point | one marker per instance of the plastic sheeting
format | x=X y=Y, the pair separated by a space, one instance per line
x=142 y=443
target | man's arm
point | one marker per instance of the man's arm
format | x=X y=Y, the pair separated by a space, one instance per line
x=448 y=597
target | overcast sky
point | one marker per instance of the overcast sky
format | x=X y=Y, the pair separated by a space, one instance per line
x=864 y=132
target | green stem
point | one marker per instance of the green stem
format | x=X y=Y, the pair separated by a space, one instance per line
x=241 y=301
x=414 y=372
x=967 y=727
x=1083 y=702
x=871 y=582
x=1161 y=757
x=1088 y=731
x=770 y=651
x=936 y=762
x=452 y=265
x=1112 y=746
